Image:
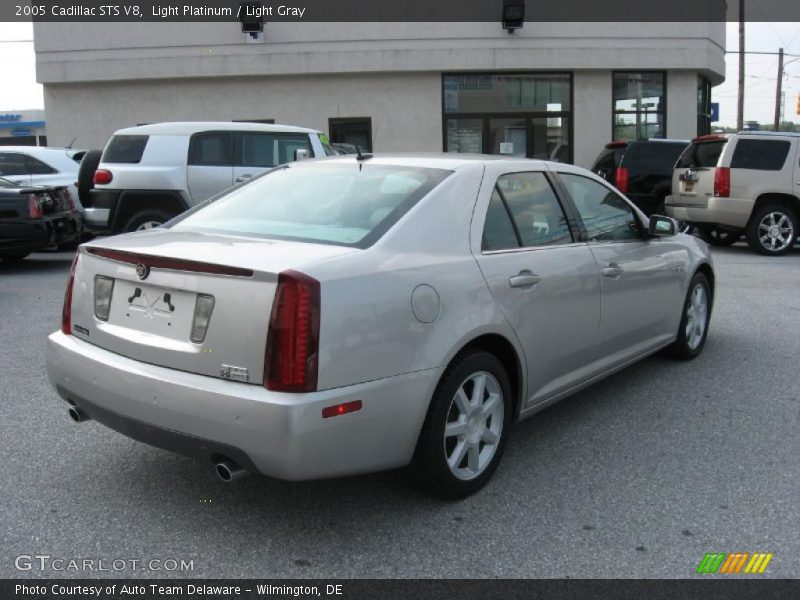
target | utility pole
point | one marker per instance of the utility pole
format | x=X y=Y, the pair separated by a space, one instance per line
x=740 y=103
x=778 y=91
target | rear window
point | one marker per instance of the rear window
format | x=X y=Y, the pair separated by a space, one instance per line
x=763 y=155
x=125 y=149
x=349 y=205
x=609 y=158
x=653 y=157
x=702 y=154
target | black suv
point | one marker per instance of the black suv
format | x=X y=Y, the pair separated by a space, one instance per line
x=641 y=170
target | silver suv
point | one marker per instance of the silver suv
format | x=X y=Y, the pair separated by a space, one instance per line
x=744 y=183
x=149 y=174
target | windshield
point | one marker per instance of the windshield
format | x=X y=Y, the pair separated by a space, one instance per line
x=350 y=204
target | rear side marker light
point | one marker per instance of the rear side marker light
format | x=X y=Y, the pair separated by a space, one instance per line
x=341 y=409
x=203 y=307
x=102 y=176
x=103 y=290
x=66 y=311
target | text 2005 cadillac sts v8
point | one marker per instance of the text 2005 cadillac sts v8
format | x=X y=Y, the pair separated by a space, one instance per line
x=354 y=314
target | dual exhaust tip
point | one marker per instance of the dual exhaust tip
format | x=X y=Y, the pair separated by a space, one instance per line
x=226 y=470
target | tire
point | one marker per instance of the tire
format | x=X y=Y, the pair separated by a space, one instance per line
x=719 y=237
x=146 y=219
x=430 y=465
x=691 y=339
x=86 y=175
x=772 y=230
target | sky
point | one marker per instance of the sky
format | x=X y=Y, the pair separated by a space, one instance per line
x=18 y=62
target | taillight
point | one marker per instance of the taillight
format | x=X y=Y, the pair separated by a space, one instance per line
x=66 y=312
x=292 y=355
x=34 y=208
x=621 y=179
x=722 y=182
x=102 y=176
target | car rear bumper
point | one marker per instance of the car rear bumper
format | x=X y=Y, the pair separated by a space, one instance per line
x=277 y=434
x=27 y=235
x=731 y=212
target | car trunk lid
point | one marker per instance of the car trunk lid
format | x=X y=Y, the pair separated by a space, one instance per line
x=161 y=279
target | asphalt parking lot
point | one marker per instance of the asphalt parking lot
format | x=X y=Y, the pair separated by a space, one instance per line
x=638 y=476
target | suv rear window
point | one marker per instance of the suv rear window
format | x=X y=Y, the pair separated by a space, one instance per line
x=702 y=154
x=764 y=155
x=125 y=149
x=347 y=205
x=652 y=157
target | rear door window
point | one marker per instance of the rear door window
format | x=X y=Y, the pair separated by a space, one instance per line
x=12 y=163
x=762 y=155
x=37 y=167
x=535 y=209
x=211 y=149
x=125 y=149
x=701 y=154
x=270 y=149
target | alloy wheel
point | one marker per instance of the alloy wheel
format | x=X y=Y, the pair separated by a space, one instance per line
x=775 y=231
x=148 y=225
x=474 y=425
x=696 y=316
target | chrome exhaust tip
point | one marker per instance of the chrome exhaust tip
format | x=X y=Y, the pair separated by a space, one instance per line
x=228 y=471
x=77 y=415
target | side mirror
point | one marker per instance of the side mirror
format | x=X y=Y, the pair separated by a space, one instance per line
x=300 y=154
x=662 y=226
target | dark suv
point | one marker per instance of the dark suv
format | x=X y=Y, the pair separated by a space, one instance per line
x=641 y=170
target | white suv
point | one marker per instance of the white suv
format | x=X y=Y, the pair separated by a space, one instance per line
x=149 y=174
x=748 y=182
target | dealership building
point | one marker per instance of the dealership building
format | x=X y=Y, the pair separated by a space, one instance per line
x=558 y=91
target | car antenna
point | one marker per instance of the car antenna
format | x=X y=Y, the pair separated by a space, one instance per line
x=72 y=142
x=362 y=155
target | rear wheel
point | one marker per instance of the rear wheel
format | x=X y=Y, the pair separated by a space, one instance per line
x=719 y=237
x=693 y=329
x=146 y=219
x=772 y=230
x=466 y=428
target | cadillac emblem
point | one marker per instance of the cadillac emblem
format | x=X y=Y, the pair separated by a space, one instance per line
x=142 y=271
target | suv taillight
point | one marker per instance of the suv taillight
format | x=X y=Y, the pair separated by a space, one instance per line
x=34 y=208
x=292 y=355
x=621 y=179
x=102 y=176
x=66 y=312
x=722 y=182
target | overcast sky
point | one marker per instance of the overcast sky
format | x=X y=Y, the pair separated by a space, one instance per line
x=17 y=59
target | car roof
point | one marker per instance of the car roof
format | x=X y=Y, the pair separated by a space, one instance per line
x=771 y=133
x=190 y=127
x=432 y=160
x=45 y=149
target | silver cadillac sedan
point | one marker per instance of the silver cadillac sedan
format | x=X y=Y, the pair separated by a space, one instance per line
x=361 y=313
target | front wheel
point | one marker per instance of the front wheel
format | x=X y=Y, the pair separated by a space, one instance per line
x=693 y=329
x=772 y=230
x=466 y=428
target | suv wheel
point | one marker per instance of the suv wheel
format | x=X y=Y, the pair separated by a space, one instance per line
x=772 y=230
x=719 y=237
x=147 y=219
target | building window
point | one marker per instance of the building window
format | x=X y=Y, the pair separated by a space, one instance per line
x=703 y=106
x=512 y=114
x=351 y=134
x=639 y=105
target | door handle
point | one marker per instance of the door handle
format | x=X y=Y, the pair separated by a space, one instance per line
x=523 y=280
x=243 y=177
x=613 y=271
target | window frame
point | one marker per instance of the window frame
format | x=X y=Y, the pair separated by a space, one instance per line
x=663 y=104
x=24 y=161
x=584 y=232
x=564 y=202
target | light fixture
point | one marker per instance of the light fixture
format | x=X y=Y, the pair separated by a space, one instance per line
x=251 y=15
x=513 y=15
